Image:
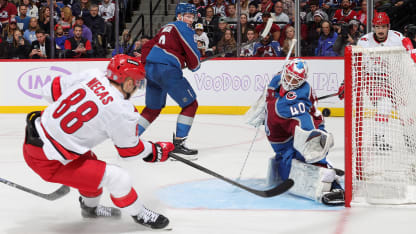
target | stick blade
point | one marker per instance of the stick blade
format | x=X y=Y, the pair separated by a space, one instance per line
x=279 y=189
x=60 y=192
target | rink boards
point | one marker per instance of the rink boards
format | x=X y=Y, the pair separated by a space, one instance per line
x=223 y=86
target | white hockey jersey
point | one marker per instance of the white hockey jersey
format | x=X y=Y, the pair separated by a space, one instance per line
x=87 y=110
x=394 y=38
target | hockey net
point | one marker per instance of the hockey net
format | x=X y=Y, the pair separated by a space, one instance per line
x=380 y=126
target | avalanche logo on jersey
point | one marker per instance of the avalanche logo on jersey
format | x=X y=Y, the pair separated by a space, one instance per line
x=291 y=95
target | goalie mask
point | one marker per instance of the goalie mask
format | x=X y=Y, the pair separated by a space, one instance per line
x=294 y=74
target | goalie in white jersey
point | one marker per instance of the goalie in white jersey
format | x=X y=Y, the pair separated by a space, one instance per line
x=87 y=109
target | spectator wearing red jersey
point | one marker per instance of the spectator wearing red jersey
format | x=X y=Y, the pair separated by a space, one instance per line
x=7 y=11
x=78 y=46
x=274 y=30
x=266 y=5
x=345 y=14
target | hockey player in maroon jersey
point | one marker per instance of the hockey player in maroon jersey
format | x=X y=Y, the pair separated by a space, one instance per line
x=296 y=132
x=173 y=48
x=87 y=109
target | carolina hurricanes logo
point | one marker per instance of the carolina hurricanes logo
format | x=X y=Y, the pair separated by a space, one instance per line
x=291 y=95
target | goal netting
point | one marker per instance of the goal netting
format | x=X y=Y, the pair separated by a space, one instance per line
x=380 y=126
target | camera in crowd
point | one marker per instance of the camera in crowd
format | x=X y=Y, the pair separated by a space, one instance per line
x=410 y=31
x=345 y=30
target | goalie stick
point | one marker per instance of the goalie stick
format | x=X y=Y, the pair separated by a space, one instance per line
x=60 y=192
x=277 y=190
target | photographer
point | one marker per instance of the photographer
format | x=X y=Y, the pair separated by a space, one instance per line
x=348 y=34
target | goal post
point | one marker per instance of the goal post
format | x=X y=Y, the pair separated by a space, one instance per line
x=380 y=126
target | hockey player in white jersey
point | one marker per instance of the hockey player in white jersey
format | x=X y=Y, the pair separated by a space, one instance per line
x=88 y=108
x=381 y=95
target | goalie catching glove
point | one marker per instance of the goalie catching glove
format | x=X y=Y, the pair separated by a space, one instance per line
x=160 y=152
x=313 y=145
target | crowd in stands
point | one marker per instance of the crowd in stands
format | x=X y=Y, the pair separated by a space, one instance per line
x=81 y=28
x=85 y=28
x=327 y=26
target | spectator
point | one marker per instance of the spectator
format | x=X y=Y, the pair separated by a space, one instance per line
x=78 y=46
x=22 y=20
x=232 y=16
x=60 y=39
x=227 y=44
x=106 y=10
x=200 y=35
x=44 y=19
x=313 y=33
x=8 y=31
x=314 y=6
x=244 y=6
x=267 y=47
x=345 y=14
x=200 y=7
x=347 y=35
x=289 y=8
x=210 y=22
x=248 y=50
x=7 y=11
x=279 y=16
x=219 y=7
x=326 y=40
x=222 y=26
x=275 y=30
x=143 y=40
x=67 y=19
x=97 y=25
x=244 y=27
x=32 y=9
x=362 y=15
x=254 y=16
x=30 y=33
x=56 y=9
x=41 y=48
x=19 y=48
x=81 y=8
x=126 y=45
x=290 y=35
x=410 y=32
x=266 y=6
x=86 y=32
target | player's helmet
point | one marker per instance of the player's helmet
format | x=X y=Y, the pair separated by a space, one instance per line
x=380 y=18
x=295 y=73
x=122 y=66
x=183 y=8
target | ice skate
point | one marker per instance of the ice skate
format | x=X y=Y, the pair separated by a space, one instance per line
x=180 y=148
x=334 y=198
x=380 y=142
x=98 y=211
x=151 y=219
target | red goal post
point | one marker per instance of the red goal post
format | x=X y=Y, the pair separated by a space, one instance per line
x=380 y=126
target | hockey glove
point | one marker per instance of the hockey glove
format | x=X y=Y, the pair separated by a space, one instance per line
x=341 y=91
x=160 y=152
x=313 y=145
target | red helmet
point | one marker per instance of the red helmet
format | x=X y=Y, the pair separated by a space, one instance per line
x=122 y=66
x=381 y=18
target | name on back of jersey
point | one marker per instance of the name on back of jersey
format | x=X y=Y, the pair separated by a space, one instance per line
x=99 y=89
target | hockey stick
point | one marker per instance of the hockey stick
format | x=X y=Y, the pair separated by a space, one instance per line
x=330 y=95
x=60 y=192
x=279 y=189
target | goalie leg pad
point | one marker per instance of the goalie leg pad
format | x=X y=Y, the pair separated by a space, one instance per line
x=273 y=177
x=312 y=145
x=310 y=181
